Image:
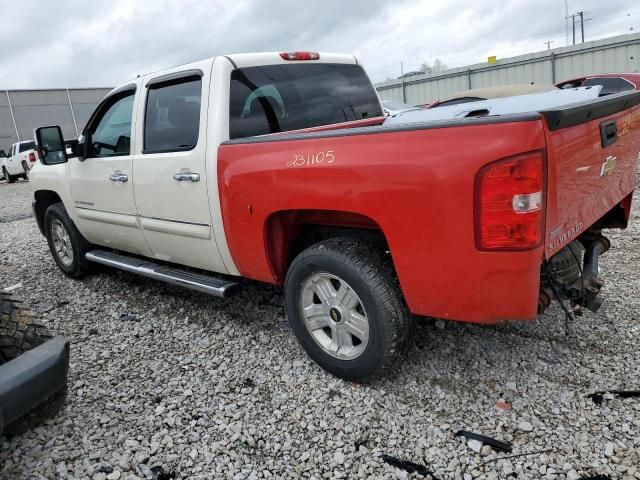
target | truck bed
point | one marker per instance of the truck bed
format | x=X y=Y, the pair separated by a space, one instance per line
x=415 y=184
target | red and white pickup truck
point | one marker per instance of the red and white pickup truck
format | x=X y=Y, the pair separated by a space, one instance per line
x=278 y=168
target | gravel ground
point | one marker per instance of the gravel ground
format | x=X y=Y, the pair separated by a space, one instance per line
x=189 y=386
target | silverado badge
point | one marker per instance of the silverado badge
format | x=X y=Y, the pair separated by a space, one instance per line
x=608 y=166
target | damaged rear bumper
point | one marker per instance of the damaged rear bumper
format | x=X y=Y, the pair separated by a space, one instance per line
x=30 y=379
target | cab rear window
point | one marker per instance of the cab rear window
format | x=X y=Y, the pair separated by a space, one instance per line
x=280 y=98
x=24 y=146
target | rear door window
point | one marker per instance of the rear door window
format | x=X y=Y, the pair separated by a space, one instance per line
x=610 y=85
x=279 y=98
x=172 y=117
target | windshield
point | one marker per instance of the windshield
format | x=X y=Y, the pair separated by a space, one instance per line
x=279 y=98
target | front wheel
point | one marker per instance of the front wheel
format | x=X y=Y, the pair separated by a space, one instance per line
x=345 y=307
x=68 y=246
x=9 y=178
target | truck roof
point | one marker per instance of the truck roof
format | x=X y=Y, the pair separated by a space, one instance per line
x=244 y=60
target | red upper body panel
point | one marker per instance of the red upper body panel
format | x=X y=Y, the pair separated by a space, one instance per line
x=417 y=186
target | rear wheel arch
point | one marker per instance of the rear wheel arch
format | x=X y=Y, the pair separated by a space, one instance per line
x=289 y=232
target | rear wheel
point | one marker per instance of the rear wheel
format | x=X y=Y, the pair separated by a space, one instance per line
x=20 y=331
x=68 y=246
x=25 y=175
x=344 y=304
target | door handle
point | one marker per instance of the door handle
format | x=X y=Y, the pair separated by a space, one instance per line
x=119 y=177
x=187 y=177
x=608 y=133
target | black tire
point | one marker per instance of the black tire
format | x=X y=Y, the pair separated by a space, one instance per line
x=370 y=275
x=78 y=266
x=25 y=175
x=7 y=177
x=21 y=331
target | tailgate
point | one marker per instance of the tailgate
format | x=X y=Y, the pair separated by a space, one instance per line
x=592 y=152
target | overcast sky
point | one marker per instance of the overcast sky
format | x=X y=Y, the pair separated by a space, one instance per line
x=79 y=43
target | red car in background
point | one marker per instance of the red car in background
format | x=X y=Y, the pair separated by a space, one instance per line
x=611 y=82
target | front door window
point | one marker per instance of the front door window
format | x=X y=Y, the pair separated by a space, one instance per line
x=111 y=136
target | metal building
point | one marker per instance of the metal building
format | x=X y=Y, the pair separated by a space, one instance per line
x=23 y=110
x=614 y=54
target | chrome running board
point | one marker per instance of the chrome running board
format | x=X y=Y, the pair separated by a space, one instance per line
x=217 y=286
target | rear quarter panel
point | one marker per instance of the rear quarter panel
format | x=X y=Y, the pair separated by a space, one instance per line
x=416 y=185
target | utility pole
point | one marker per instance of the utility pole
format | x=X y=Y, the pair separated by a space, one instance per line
x=566 y=25
x=573 y=26
x=582 y=20
x=404 y=90
x=548 y=44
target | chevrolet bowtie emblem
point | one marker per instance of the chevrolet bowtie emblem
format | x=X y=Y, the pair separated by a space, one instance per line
x=608 y=166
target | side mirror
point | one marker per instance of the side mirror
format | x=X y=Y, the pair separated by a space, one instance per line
x=50 y=145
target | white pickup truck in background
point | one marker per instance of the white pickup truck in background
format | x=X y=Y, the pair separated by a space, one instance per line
x=20 y=158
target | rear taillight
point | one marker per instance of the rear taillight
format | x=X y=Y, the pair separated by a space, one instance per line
x=32 y=157
x=509 y=203
x=300 y=55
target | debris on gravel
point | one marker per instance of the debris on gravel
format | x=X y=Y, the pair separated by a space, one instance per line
x=201 y=388
x=498 y=445
x=598 y=397
x=407 y=466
